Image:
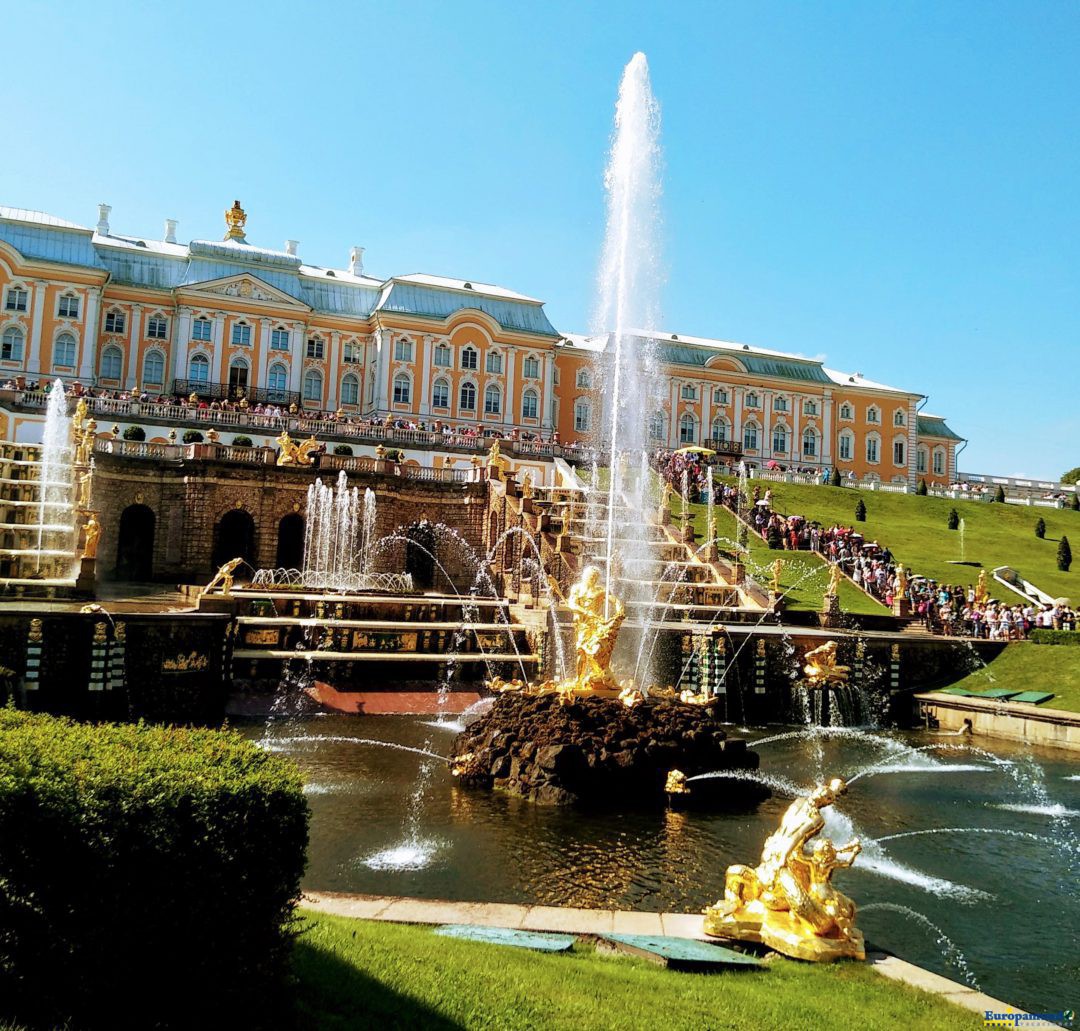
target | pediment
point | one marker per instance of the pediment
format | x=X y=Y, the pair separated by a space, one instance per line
x=248 y=288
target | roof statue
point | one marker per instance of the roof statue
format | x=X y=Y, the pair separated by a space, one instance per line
x=235 y=220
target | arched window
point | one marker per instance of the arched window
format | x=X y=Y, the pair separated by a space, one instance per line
x=720 y=396
x=153 y=368
x=115 y=321
x=157 y=327
x=688 y=392
x=750 y=436
x=582 y=416
x=402 y=389
x=720 y=429
x=752 y=400
x=241 y=334
x=920 y=460
x=352 y=353
x=442 y=356
x=530 y=404
x=494 y=362
x=277 y=381
x=939 y=461
x=201 y=329
x=64 y=351
x=279 y=339
x=898 y=418
x=199 y=369
x=846 y=411
x=809 y=443
x=779 y=438
x=530 y=367
x=112 y=362
x=779 y=404
x=810 y=408
x=584 y=380
x=468 y=357
x=11 y=346
x=899 y=451
x=313 y=385
x=847 y=446
x=350 y=390
x=316 y=348
x=656 y=426
x=403 y=350
x=873 y=414
x=873 y=449
x=467 y=397
x=687 y=429
x=492 y=400
x=440 y=394
x=68 y=307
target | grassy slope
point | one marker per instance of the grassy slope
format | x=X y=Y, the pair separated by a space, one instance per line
x=1033 y=667
x=357 y=974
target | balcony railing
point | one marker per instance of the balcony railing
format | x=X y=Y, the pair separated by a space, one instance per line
x=725 y=447
x=231 y=392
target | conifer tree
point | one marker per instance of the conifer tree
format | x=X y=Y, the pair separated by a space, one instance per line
x=1064 y=555
x=1040 y=528
x=860 y=511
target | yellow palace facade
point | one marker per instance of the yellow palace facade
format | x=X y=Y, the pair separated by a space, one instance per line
x=225 y=319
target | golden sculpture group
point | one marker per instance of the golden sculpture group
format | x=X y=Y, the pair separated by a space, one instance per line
x=291 y=453
x=788 y=901
x=822 y=669
x=83 y=433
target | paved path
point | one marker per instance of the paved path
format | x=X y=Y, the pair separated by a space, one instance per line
x=569 y=920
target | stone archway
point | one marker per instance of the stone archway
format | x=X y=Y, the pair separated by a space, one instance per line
x=234 y=537
x=135 y=544
x=290 y=542
x=419 y=554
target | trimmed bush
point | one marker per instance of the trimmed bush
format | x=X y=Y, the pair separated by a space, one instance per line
x=772 y=536
x=1040 y=528
x=134 y=433
x=1074 y=502
x=834 y=477
x=192 y=437
x=144 y=863
x=1064 y=555
x=243 y=441
x=1041 y=635
x=999 y=495
x=860 y=511
x=954 y=519
x=921 y=489
x=343 y=449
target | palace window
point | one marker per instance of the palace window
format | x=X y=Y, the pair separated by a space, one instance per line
x=779 y=439
x=847 y=445
x=720 y=396
x=199 y=369
x=920 y=460
x=16 y=299
x=313 y=385
x=810 y=408
x=442 y=356
x=582 y=416
x=350 y=390
x=779 y=404
x=873 y=414
x=440 y=394
x=403 y=350
x=846 y=411
x=749 y=437
x=720 y=430
x=153 y=370
x=115 y=322
x=467 y=397
x=201 y=329
x=157 y=327
x=687 y=429
x=64 y=351
x=656 y=426
x=111 y=363
x=809 y=443
x=899 y=453
x=277 y=380
x=492 y=400
x=688 y=392
x=279 y=339
x=468 y=358
x=69 y=307
x=530 y=404
x=530 y=367
x=939 y=461
x=316 y=348
x=352 y=353
x=494 y=362
x=241 y=334
x=11 y=345
x=872 y=449
x=584 y=380
x=752 y=400
x=402 y=389
x=898 y=417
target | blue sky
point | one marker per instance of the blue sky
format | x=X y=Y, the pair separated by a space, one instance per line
x=891 y=186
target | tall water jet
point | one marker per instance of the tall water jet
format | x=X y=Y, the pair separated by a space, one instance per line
x=628 y=307
x=55 y=530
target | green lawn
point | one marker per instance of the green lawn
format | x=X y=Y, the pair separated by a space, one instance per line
x=358 y=974
x=1033 y=667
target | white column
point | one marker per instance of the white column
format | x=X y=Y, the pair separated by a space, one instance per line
x=547 y=397
x=796 y=417
x=217 y=374
x=181 y=336
x=706 y=412
x=913 y=441
x=131 y=354
x=508 y=392
x=332 y=376
x=263 y=345
x=90 y=335
x=673 y=422
x=736 y=415
x=33 y=355
x=826 y=429
x=296 y=349
x=384 y=343
x=424 y=360
x=765 y=446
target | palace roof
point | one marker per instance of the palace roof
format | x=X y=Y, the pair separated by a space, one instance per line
x=935 y=426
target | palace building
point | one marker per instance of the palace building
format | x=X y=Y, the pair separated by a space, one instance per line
x=226 y=319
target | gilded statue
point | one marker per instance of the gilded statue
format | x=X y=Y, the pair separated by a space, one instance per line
x=777 y=569
x=981 y=593
x=92 y=531
x=597 y=619
x=78 y=420
x=496 y=459
x=84 y=443
x=235 y=220
x=901 y=581
x=86 y=483
x=527 y=487
x=291 y=453
x=223 y=578
x=788 y=901
x=821 y=667
x=835 y=576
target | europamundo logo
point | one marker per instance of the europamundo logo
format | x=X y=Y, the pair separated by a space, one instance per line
x=1062 y=1018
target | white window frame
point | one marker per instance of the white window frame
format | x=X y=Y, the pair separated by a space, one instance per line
x=494 y=363
x=67 y=306
x=846 y=446
x=583 y=381
x=401 y=389
x=403 y=350
x=16 y=298
x=115 y=321
x=751 y=432
x=66 y=337
x=440 y=385
x=311 y=377
x=530 y=367
x=14 y=340
x=202 y=329
x=443 y=357
x=157 y=327
x=157 y=356
x=492 y=399
x=810 y=435
x=530 y=404
x=687 y=429
x=277 y=379
x=241 y=334
x=315 y=349
x=470 y=357
x=201 y=361
x=582 y=415
x=470 y=386
x=279 y=339
x=350 y=385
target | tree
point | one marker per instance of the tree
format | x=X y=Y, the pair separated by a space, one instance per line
x=1040 y=528
x=954 y=519
x=1074 y=503
x=192 y=437
x=134 y=433
x=1064 y=555
x=834 y=477
x=921 y=489
x=342 y=449
x=1071 y=475
x=860 y=511
x=999 y=495
x=241 y=441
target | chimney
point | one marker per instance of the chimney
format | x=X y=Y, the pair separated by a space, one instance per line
x=291 y=247
x=356 y=261
x=103 y=219
x=170 y=230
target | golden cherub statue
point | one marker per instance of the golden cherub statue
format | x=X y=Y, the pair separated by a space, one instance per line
x=821 y=667
x=223 y=578
x=787 y=901
x=92 y=530
x=777 y=569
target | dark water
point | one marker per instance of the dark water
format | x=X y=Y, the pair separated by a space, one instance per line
x=395 y=823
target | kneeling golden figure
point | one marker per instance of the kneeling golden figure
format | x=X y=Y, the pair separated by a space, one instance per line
x=788 y=901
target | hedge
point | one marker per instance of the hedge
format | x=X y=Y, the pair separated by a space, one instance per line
x=192 y=437
x=1041 y=635
x=242 y=441
x=342 y=449
x=144 y=863
x=134 y=433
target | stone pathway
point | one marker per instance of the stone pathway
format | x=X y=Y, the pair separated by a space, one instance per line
x=569 y=920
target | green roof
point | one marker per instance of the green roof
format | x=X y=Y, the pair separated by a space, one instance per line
x=759 y=364
x=932 y=426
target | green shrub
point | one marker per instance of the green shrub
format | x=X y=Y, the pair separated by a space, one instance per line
x=1041 y=635
x=342 y=449
x=921 y=489
x=192 y=437
x=860 y=511
x=242 y=441
x=772 y=536
x=141 y=862
x=834 y=477
x=954 y=519
x=999 y=495
x=134 y=433
x=1074 y=502
x=1064 y=555
x=1040 y=528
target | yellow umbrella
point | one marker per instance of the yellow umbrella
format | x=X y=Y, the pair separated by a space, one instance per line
x=694 y=449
